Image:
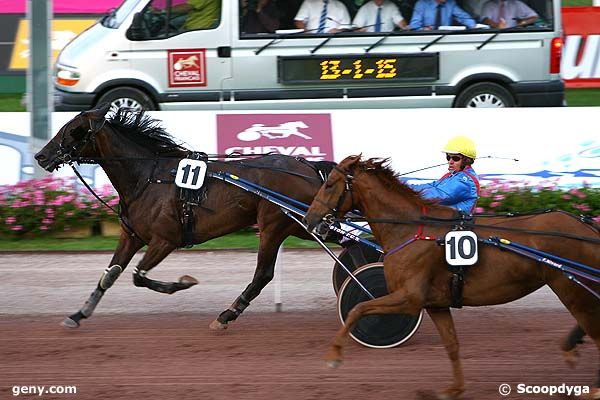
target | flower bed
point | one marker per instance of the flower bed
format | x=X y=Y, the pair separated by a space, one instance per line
x=55 y=206
x=503 y=197
x=50 y=206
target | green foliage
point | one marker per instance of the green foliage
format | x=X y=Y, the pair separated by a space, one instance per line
x=514 y=198
x=11 y=102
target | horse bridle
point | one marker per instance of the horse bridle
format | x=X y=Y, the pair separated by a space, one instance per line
x=66 y=155
x=329 y=217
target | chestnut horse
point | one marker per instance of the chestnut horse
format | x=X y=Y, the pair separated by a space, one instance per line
x=137 y=155
x=417 y=276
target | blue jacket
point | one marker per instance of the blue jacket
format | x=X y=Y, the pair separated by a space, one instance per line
x=425 y=11
x=459 y=190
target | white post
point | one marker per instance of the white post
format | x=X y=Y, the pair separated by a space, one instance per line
x=278 y=278
x=596 y=3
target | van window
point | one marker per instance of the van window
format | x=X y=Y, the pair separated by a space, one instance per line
x=166 y=18
x=260 y=18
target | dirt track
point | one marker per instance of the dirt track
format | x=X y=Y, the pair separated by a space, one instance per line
x=144 y=345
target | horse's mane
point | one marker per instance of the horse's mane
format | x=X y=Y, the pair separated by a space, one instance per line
x=381 y=169
x=145 y=131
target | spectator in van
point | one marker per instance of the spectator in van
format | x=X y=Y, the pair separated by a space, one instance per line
x=200 y=14
x=322 y=16
x=379 y=16
x=507 y=14
x=431 y=14
x=260 y=16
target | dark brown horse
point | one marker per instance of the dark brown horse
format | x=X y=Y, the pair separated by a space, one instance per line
x=136 y=154
x=417 y=276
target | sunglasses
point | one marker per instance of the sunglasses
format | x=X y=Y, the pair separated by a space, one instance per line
x=453 y=157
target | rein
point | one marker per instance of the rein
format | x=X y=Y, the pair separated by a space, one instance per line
x=462 y=220
x=91 y=190
x=464 y=223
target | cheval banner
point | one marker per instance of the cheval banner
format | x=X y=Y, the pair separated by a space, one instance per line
x=580 y=66
x=519 y=146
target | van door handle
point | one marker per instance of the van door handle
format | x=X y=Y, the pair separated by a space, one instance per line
x=224 y=51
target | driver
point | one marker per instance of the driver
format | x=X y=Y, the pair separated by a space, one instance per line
x=459 y=187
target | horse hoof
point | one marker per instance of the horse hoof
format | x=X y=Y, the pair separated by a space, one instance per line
x=69 y=323
x=571 y=357
x=188 y=280
x=334 y=363
x=217 y=326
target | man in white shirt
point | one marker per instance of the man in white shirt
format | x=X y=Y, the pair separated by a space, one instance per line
x=507 y=14
x=379 y=16
x=322 y=16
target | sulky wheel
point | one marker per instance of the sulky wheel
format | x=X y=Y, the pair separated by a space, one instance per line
x=377 y=331
x=353 y=256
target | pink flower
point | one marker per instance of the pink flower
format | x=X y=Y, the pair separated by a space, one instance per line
x=499 y=197
x=597 y=219
x=494 y=204
x=10 y=220
x=17 y=228
x=43 y=228
x=565 y=197
x=582 y=207
x=479 y=210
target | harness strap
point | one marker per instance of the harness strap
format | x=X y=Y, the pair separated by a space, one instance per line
x=418 y=236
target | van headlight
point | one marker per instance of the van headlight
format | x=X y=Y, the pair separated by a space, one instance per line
x=67 y=76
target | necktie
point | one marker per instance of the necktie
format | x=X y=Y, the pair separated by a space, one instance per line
x=323 y=19
x=501 y=11
x=438 y=16
x=378 y=20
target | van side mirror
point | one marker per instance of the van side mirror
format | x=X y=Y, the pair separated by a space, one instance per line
x=137 y=29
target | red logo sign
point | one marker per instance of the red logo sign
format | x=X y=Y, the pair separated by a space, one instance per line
x=304 y=135
x=187 y=67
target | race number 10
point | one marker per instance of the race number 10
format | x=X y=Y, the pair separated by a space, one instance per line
x=461 y=248
x=190 y=174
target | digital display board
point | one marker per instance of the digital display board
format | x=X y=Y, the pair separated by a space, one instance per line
x=358 y=68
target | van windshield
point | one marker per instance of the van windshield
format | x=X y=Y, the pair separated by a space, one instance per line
x=116 y=16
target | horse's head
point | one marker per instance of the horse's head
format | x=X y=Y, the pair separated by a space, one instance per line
x=334 y=198
x=73 y=139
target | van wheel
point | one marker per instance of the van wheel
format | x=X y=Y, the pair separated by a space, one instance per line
x=485 y=95
x=127 y=97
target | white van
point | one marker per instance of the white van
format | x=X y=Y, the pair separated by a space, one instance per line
x=146 y=54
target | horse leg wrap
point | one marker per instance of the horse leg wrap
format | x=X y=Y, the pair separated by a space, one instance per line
x=575 y=337
x=139 y=278
x=234 y=310
x=92 y=302
x=110 y=276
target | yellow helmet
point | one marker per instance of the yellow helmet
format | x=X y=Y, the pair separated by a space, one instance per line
x=461 y=145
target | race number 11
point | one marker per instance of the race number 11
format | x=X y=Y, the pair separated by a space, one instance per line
x=190 y=174
x=461 y=248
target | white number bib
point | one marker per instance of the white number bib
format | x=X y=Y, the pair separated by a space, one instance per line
x=461 y=248
x=190 y=174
